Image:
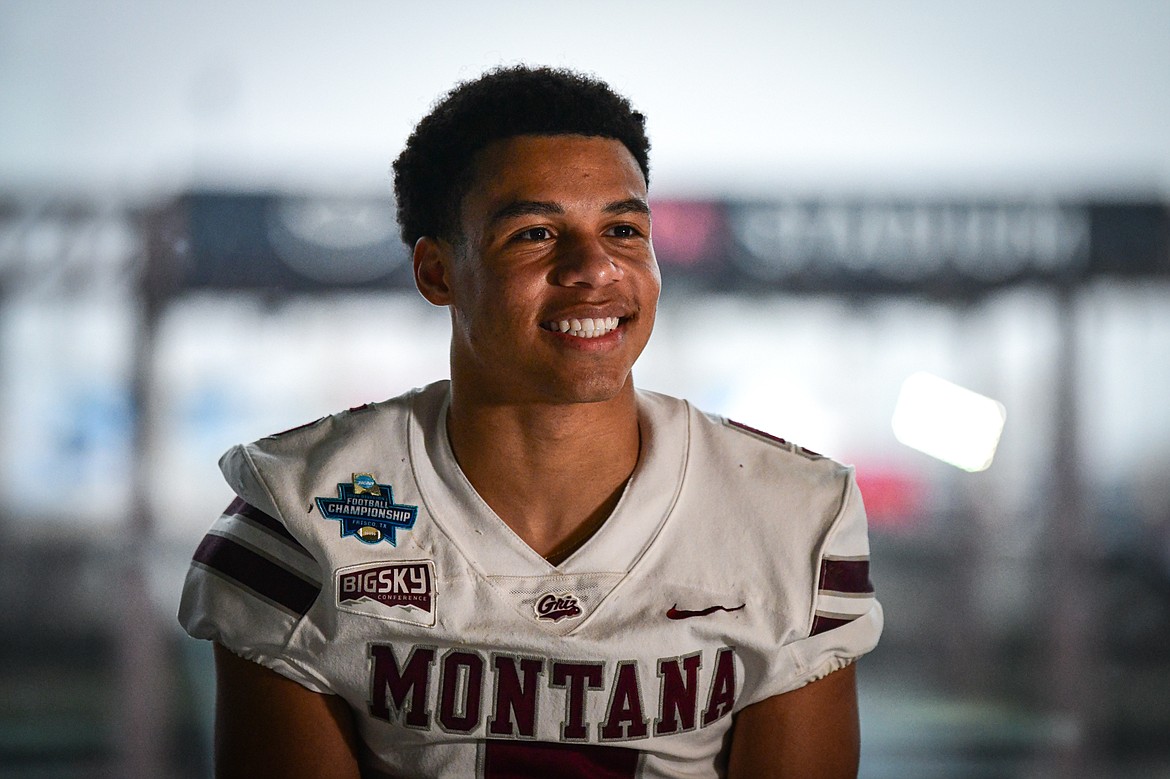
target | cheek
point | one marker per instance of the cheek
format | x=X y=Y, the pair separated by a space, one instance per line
x=515 y=297
x=650 y=282
x=474 y=299
x=494 y=314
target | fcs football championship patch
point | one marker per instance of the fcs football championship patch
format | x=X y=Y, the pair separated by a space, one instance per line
x=366 y=509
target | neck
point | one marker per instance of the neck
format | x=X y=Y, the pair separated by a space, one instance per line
x=552 y=472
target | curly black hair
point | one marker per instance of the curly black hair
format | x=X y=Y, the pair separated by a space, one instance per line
x=432 y=174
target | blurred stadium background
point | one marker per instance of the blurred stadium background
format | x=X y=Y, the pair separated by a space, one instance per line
x=197 y=247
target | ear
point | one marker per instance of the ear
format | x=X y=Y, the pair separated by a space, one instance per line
x=432 y=270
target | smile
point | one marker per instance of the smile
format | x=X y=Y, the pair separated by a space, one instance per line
x=584 y=328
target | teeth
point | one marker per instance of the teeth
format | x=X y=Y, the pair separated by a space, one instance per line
x=585 y=328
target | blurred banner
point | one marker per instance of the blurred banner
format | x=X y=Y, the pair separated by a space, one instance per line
x=942 y=249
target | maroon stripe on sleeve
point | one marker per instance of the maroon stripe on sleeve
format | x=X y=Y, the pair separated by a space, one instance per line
x=850 y=576
x=823 y=624
x=240 y=507
x=761 y=433
x=257 y=573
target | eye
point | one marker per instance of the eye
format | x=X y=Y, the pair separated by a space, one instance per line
x=535 y=234
x=624 y=231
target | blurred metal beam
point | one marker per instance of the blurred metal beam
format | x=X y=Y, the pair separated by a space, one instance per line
x=144 y=725
x=1072 y=635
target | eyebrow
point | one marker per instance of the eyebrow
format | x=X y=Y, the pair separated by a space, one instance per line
x=548 y=208
x=630 y=205
x=526 y=208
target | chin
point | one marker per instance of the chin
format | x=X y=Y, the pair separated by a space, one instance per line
x=591 y=389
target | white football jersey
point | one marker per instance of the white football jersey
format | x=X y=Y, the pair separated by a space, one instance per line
x=360 y=562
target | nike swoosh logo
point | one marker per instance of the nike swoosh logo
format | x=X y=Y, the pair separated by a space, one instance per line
x=674 y=612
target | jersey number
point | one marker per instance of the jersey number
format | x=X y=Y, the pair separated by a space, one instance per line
x=530 y=759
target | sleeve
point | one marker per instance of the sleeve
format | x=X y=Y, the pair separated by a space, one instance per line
x=251 y=582
x=845 y=619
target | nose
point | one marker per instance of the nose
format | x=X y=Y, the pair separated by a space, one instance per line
x=586 y=263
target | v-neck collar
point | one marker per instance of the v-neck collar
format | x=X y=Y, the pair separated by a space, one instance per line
x=492 y=548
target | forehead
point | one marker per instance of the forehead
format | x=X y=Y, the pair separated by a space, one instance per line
x=560 y=168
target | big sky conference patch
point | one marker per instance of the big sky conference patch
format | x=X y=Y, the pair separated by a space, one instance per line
x=400 y=591
x=366 y=510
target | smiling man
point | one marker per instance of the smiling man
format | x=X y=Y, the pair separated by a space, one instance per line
x=534 y=570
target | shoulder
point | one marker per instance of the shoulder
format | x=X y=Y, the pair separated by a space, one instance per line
x=255 y=469
x=759 y=479
x=747 y=455
x=769 y=459
x=665 y=409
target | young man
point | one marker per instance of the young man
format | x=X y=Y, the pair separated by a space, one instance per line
x=534 y=569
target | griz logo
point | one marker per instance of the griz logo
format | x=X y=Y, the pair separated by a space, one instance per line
x=557 y=607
